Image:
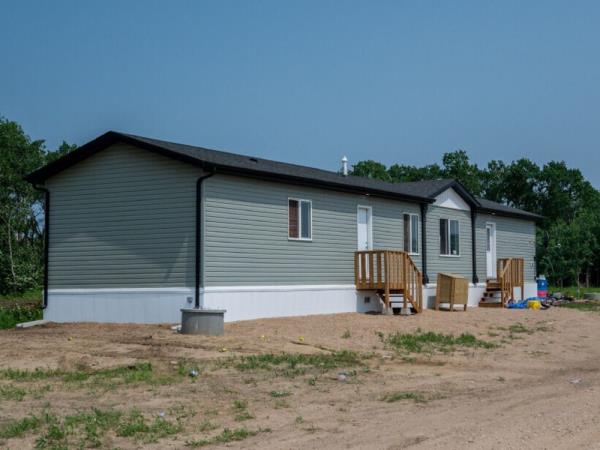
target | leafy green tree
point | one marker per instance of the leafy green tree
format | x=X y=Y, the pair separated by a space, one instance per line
x=492 y=181
x=62 y=150
x=521 y=185
x=569 y=251
x=21 y=209
x=563 y=191
x=19 y=231
x=457 y=165
x=370 y=169
x=400 y=173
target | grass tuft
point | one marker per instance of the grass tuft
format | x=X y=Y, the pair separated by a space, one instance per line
x=105 y=378
x=14 y=312
x=240 y=407
x=298 y=363
x=519 y=328
x=428 y=342
x=417 y=397
x=10 y=392
x=227 y=435
x=19 y=427
x=278 y=394
x=88 y=428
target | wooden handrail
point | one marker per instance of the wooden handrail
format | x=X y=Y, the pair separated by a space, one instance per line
x=389 y=271
x=511 y=274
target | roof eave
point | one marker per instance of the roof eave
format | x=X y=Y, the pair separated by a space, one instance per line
x=515 y=214
x=85 y=151
x=90 y=148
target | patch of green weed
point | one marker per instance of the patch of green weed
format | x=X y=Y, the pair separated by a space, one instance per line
x=292 y=364
x=10 y=392
x=207 y=425
x=519 y=328
x=277 y=394
x=18 y=428
x=240 y=408
x=417 y=397
x=428 y=342
x=227 y=435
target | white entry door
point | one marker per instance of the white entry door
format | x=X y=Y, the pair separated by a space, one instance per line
x=490 y=249
x=363 y=227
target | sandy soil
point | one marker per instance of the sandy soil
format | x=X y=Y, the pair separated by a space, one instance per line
x=536 y=390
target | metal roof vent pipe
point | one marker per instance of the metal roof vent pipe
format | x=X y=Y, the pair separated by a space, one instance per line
x=345 y=166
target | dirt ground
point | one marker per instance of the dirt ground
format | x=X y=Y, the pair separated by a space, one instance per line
x=539 y=388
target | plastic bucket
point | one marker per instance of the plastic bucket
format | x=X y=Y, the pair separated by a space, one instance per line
x=534 y=304
x=542 y=287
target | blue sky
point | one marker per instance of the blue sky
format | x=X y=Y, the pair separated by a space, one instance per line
x=309 y=81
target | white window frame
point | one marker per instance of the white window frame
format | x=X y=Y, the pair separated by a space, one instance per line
x=410 y=231
x=300 y=201
x=449 y=255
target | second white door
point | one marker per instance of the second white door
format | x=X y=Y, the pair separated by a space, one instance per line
x=490 y=249
x=363 y=226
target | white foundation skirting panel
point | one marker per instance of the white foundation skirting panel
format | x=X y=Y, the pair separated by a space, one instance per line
x=148 y=305
x=242 y=303
x=156 y=305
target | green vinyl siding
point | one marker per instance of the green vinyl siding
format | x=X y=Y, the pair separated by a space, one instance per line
x=514 y=238
x=246 y=233
x=123 y=218
x=460 y=265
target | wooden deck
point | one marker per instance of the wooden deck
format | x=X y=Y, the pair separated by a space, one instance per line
x=389 y=272
x=511 y=275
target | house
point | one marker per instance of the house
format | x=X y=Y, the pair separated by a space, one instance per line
x=138 y=228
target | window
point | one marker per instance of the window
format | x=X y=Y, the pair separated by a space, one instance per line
x=299 y=219
x=411 y=233
x=449 y=237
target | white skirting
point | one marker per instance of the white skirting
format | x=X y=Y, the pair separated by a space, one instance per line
x=253 y=302
x=162 y=305
x=143 y=305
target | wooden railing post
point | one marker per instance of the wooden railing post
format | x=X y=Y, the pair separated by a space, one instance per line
x=379 y=271
x=356 y=273
x=386 y=298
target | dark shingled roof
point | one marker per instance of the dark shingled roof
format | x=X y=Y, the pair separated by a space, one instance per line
x=432 y=188
x=499 y=208
x=225 y=162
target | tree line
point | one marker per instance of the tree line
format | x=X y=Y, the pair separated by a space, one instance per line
x=21 y=208
x=568 y=239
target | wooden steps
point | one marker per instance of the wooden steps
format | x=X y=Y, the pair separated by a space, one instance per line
x=492 y=297
x=388 y=273
x=498 y=291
